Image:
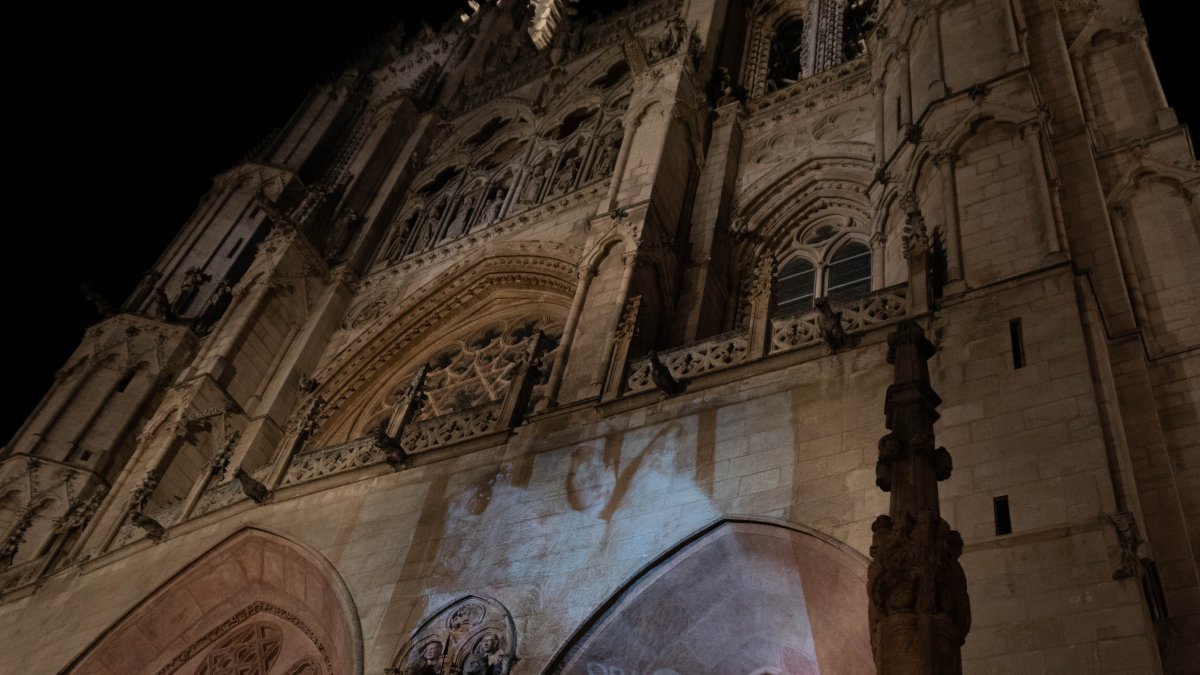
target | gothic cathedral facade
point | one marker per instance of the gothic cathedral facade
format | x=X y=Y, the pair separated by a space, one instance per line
x=554 y=340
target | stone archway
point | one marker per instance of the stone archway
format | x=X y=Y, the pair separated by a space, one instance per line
x=741 y=598
x=257 y=603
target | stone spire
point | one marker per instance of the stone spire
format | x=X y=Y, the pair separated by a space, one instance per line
x=919 y=611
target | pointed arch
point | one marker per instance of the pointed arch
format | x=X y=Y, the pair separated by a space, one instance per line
x=742 y=595
x=512 y=273
x=252 y=577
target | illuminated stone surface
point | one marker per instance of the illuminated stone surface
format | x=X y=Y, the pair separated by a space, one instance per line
x=499 y=325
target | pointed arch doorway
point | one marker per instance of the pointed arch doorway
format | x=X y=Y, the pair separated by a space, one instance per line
x=740 y=598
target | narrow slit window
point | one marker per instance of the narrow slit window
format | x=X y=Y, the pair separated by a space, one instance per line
x=1018 y=344
x=234 y=249
x=1003 y=516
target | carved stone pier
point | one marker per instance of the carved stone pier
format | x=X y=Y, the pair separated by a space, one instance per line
x=919 y=611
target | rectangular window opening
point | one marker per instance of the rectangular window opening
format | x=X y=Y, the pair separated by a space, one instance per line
x=1018 y=344
x=236 y=245
x=1003 y=516
x=899 y=117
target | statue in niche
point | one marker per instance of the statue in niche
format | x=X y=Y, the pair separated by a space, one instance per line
x=342 y=232
x=462 y=217
x=606 y=154
x=491 y=212
x=533 y=185
x=566 y=176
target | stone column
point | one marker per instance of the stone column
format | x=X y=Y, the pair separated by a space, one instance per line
x=918 y=609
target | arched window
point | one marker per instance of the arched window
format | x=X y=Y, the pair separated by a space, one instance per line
x=787 y=55
x=849 y=272
x=797 y=286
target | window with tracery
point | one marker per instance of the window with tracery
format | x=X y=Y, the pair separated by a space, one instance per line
x=822 y=262
x=786 y=63
x=252 y=650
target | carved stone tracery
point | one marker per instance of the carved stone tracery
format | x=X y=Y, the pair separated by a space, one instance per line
x=473 y=636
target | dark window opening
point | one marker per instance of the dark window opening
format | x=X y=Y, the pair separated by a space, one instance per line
x=1003 y=516
x=849 y=272
x=899 y=118
x=87 y=454
x=487 y=132
x=572 y=122
x=441 y=181
x=857 y=23
x=1018 y=344
x=614 y=75
x=234 y=249
x=796 y=286
x=591 y=10
x=786 y=62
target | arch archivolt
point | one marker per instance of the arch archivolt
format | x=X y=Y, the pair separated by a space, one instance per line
x=822 y=191
x=503 y=276
x=257 y=600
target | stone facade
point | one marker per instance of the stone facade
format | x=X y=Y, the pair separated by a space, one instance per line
x=542 y=345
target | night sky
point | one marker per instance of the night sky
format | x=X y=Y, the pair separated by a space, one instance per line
x=119 y=130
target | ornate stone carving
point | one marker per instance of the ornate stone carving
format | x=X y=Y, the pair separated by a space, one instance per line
x=138 y=499
x=716 y=353
x=473 y=636
x=1130 y=538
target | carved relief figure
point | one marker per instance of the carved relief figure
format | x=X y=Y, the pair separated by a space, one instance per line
x=474 y=636
x=429 y=662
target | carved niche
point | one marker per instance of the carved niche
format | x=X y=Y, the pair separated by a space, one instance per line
x=472 y=636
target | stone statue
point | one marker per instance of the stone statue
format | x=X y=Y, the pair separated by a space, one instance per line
x=533 y=185
x=492 y=213
x=342 y=232
x=462 y=217
x=566 y=176
x=605 y=155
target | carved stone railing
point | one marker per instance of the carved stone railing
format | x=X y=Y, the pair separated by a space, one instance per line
x=425 y=435
x=800 y=330
x=335 y=459
x=20 y=575
x=715 y=353
x=217 y=497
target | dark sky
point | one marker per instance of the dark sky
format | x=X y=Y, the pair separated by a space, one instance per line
x=119 y=128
